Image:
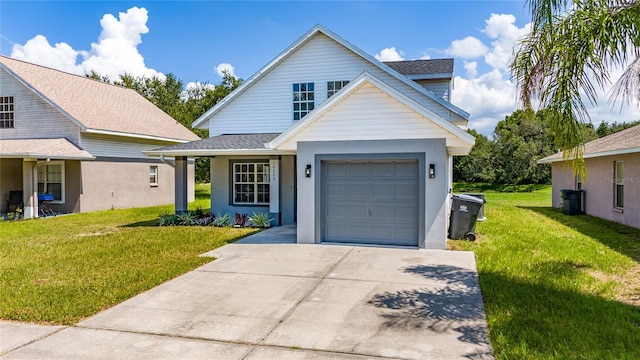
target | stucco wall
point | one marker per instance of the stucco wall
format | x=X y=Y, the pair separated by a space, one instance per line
x=434 y=198
x=599 y=187
x=221 y=188
x=117 y=184
x=10 y=179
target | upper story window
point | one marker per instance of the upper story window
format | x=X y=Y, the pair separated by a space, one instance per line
x=335 y=86
x=619 y=185
x=303 y=99
x=6 y=111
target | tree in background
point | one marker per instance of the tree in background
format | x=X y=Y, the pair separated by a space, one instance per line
x=183 y=105
x=572 y=49
x=607 y=129
x=479 y=165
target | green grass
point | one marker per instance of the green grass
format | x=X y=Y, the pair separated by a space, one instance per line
x=63 y=269
x=556 y=286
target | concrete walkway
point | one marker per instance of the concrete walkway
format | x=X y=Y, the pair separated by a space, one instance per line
x=265 y=298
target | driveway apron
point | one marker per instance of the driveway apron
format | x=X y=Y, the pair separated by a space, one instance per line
x=269 y=299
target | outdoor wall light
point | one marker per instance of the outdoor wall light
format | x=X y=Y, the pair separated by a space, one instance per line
x=432 y=171
x=307 y=171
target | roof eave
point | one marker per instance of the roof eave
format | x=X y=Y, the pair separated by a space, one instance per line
x=137 y=136
x=216 y=152
x=45 y=156
x=633 y=150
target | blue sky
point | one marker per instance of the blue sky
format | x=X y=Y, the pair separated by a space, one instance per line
x=192 y=38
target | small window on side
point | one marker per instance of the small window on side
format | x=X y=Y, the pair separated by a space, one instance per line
x=619 y=185
x=153 y=175
x=335 y=86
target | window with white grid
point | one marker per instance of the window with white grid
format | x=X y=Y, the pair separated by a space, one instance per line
x=251 y=183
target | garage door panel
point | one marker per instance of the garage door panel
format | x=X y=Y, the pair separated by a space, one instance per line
x=379 y=205
x=337 y=190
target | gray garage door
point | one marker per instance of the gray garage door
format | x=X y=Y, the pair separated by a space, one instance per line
x=374 y=202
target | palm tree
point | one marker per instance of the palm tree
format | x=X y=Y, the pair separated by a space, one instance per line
x=572 y=49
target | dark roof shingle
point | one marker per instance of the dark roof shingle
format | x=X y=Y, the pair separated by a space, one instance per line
x=421 y=67
x=226 y=142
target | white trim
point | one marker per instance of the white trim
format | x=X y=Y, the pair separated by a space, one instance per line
x=216 y=152
x=155 y=173
x=44 y=156
x=593 y=155
x=137 y=136
x=618 y=182
x=204 y=118
x=365 y=77
x=63 y=183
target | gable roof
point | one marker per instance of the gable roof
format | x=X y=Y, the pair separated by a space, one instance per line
x=58 y=149
x=460 y=146
x=623 y=142
x=423 y=69
x=96 y=106
x=319 y=29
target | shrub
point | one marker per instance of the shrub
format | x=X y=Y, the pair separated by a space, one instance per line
x=260 y=220
x=223 y=220
x=167 y=220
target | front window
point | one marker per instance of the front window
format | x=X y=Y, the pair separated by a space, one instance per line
x=153 y=175
x=51 y=180
x=6 y=112
x=335 y=86
x=251 y=183
x=303 y=99
x=619 y=185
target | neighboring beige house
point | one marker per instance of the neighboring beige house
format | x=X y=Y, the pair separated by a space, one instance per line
x=350 y=149
x=81 y=141
x=612 y=185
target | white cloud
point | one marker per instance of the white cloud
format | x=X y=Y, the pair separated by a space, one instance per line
x=488 y=98
x=501 y=28
x=389 y=54
x=472 y=69
x=38 y=50
x=425 y=56
x=221 y=68
x=115 y=53
x=467 y=48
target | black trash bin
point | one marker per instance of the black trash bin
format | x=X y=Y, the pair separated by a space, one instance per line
x=571 y=201
x=481 y=216
x=464 y=214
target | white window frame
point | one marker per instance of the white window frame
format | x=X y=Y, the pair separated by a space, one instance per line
x=237 y=172
x=303 y=99
x=335 y=86
x=578 y=182
x=618 y=185
x=46 y=183
x=7 y=113
x=153 y=175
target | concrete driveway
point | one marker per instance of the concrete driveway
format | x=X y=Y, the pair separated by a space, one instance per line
x=267 y=298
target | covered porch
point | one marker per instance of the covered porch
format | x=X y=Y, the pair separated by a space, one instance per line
x=32 y=167
x=246 y=176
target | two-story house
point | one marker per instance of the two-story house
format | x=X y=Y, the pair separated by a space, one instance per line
x=80 y=141
x=350 y=149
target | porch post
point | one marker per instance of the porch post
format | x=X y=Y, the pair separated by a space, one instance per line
x=30 y=188
x=181 y=199
x=274 y=191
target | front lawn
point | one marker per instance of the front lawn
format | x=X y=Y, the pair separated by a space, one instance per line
x=556 y=286
x=63 y=269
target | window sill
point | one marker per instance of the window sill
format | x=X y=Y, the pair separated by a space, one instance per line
x=618 y=210
x=249 y=204
x=153 y=185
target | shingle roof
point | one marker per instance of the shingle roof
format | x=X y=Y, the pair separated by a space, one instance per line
x=626 y=141
x=225 y=142
x=422 y=67
x=96 y=105
x=60 y=148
